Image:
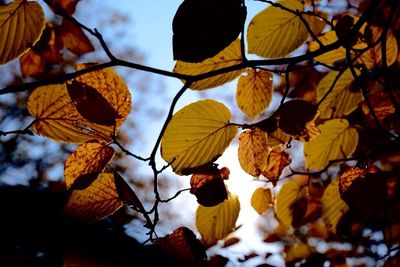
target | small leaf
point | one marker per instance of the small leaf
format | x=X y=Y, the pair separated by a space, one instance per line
x=275 y=32
x=31 y=64
x=287 y=196
x=347 y=178
x=278 y=137
x=342 y=100
x=298 y=252
x=381 y=103
x=202 y=28
x=333 y=207
x=215 y=223
x=261 y=199
x=230 y=56
x=254 y=92
x=196 y=135
x=278 y=159
x=21 y=24
x=62 y=7
x=89 y=158
x=99 y=200
x=74 y=39
x=337 y=141
x=331 y=56
x=253 y=151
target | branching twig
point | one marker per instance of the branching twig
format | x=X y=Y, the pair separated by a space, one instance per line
x=174 y=196
x=127 y=152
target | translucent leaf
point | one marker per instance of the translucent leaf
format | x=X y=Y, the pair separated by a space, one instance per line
x=275 y=32
x=197 y=134
x=333 y=207
x=63 y=6
x=342 y=100
x=203 y=28
x=278 y=137
x=338 y=140
x=278 y=159
x=347 y=178
x=261 y=199
x=331 y=56
x=74 y=38
x=287 y=196
x=215 y=223
x=253 y=151
x=254 y=92
x=230 y=56
x=88 y=158
x=298 y=252
x=31 y=64
x=21 y=24
x=97 y=201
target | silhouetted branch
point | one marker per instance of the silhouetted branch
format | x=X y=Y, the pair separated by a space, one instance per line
x=127 y=152
x=175 y=196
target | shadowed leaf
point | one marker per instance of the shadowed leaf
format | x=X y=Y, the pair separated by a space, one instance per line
x=63 y=6
x=74 y=39
x=277 y=160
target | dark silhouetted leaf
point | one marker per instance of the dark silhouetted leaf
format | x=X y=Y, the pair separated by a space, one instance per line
x=63 y=6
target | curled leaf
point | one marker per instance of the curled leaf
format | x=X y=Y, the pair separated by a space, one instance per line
x=278 y=159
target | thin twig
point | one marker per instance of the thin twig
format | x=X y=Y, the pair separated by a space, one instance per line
x=127 y=152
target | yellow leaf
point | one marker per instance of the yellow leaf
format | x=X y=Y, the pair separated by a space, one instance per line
x=230 y=56
x=290 y=192
x=275 y=32
x=331 y=56
x=261 y=199
x=254 y=92
x=21 y=24
x=277 y=137
x=337 y=141
x=278 y=159
x=342 y=100
x=215 y=223
x=97 y=201
x=253 y=151
x=89 y=158
x=297 y=252
x=196 y=135
x=333 y=207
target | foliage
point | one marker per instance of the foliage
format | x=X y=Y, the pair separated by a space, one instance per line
x=348 y=122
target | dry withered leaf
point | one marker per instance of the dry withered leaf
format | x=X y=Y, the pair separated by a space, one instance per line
x=278 y=159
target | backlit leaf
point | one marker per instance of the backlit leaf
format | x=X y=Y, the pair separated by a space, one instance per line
x=74 y=38
x=290 y=192
x=58 y=118
x=297 y=252
x=31 y=63
x=253 y=151
x=88 y=158
x=63 y=6
x=278 y=137
x=261 y=199
x=21 y=24
x=278 y=159
x=347 y=178
x=202 y=28
x=97 y=201
x=340 y=101
x=333 y=207
x=338 y=140
x=331 y=56
x=215 y=223
x=254 y=92
x=196 y=135
x=230 y=56
x=275 y=32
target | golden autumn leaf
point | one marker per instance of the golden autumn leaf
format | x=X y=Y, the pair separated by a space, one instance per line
x=342 y=99
x=254 y=92
x=275 y=32
x=196 y=135
x=89 y=158
x=97 y=201
x=261 y=199
x=215 y=223
x=333 y=207
x=277 y=137
x=74 y=38
x=338 y=140
x=331 y=56
x=277 y=160
x=298 y=251
x=21 y=24
x=290 y=192
x=253 y=151
x=230 y=56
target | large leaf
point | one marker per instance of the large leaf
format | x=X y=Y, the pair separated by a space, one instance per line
x=261 y=199
x=333 y=207
x=230 y=56
x=215 y=223
x=197 y=134
x=202 y=28
x=21 y=24
x=290 y=192
x=337 y=141
x=253 y=151
x=340 y=101
x=254 y=92
x=88 y=159
x=275 y=32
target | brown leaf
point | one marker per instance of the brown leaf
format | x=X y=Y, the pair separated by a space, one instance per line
x=74 y=39
x=381 y=104
x=31 y=64
x=278 y=159
x=63 y=6
x=350 y=175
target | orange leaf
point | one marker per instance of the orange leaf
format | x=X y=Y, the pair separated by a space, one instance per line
x=74 y=39
x=350 y=175
x=381 y=103
x=31 y=64
x=253 y=151
x=278 y=159
x=97 y=201
x=89 y=158
x=63 y=6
